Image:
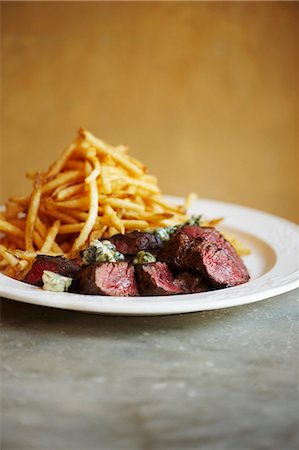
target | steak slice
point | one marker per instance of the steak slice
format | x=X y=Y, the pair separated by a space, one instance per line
x=212 y=235
x=156 y=279
x=191 y=283
x=132 y=243
x=114 y=279
x=214 y=264
x=174 y=251
x=57 y=264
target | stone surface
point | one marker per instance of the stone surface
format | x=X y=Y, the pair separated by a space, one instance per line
x=223 y=379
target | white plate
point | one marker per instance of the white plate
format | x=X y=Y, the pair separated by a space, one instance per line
x=273 y=266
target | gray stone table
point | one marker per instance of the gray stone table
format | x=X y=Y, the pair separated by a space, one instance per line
x=223 y=379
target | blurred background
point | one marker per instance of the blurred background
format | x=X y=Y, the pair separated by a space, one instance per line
x=206 y=94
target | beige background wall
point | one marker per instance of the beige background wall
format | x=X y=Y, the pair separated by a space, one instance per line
x=205 y=93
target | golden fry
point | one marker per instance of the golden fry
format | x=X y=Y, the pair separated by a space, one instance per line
x=37 y=240
x=161 y=202
x=32 y=213
x=77 y=215
x=125 y=204
x=41 y=227
x=73 y=164
x=131 y=224
x=22 y=200
x=68 y=191
x=111 y=232
x=58 y=165
x=147 y=216
x=9 y=258
x=240 y=248
x=6 y=227
x=71 y=228
x=105 y=182
x=3 y=263
x=115 y=221
x=98 y=233
x=51 y=236
x=92 y=215
x=71 y=175
x=81 y=203
x=28 y=256
x=62 y=216
x=121 y=159
x=96 y=169
x=212 y=223
x=150 y=187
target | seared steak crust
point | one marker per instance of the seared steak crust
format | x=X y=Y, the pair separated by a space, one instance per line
x=132 y=243
x=174 y=251
x=57 y=264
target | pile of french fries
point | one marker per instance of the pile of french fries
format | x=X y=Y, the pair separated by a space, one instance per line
x=93 y=191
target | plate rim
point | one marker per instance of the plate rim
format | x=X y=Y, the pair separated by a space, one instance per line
x=281 y=278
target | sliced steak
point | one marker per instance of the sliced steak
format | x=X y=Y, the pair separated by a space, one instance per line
x=174 y=251
x=156 y=279
x=214 y=264
x=114 y=279
x=212 y=235
x=191 y=283
x=132 y=243
x=57 y=264
x=198 y=254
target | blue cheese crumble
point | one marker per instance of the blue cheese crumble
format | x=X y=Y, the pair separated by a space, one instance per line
x=144 y=258
x=54 y=282
x=194 y=220
x=101 y=251
x=164 y=234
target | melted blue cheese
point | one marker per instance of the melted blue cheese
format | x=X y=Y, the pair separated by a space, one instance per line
x=144 y=258
x=54 y=282
x=194 y=220
x=101 y=251
x=164 y=234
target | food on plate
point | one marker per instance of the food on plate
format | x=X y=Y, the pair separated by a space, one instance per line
x=97 y=223
x=57 y=264
x=193 y=259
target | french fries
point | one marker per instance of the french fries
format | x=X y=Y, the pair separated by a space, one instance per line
x=93 y=191
x=51 y=236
